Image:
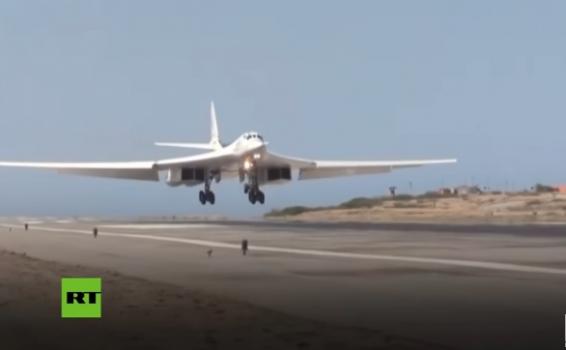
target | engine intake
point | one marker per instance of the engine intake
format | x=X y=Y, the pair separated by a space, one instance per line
x=274 y=174
x=192 y=174
x=186 y=176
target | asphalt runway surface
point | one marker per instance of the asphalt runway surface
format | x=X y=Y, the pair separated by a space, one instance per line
x=468 y=287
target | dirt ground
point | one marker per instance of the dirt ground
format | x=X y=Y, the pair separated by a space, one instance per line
x=142 y=314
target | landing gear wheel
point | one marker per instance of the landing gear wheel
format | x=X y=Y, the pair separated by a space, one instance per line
x=260 y=197
x=210 y=197
x=246 y=188
x=252 y=197
x=202 y=197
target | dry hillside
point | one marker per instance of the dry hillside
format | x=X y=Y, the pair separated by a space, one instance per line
x=504 y=208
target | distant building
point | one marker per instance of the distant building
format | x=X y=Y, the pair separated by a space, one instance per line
x=561 y=188
x=464 y=190
x=446 y=191
x=459 y=190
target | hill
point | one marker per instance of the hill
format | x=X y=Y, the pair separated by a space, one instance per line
x=520 y=207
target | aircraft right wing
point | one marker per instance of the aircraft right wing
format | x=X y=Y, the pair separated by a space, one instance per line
x=119 y=170
x=144 y=170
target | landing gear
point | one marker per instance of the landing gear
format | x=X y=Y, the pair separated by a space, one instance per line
x=251 y=188
x=207 y=195
x=260 y=197
x=256 y=196
x=210 y=197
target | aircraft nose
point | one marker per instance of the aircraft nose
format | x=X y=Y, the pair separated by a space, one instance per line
x=256 y=144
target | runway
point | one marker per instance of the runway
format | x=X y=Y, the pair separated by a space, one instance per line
x=478 y=287
x=214 y=244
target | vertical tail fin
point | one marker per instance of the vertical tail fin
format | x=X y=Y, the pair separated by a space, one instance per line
x=213 y=144
x=214 y=135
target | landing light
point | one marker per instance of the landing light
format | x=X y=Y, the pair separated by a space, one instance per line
x=257 y=156
x=247 y=164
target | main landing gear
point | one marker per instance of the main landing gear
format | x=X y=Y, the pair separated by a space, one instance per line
x=207 y=195
x=256 y=196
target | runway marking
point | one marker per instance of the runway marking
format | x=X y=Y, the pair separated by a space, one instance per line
x=159 y=226
x=439 y=261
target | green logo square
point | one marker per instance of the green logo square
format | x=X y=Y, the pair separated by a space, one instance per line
x=81 y=297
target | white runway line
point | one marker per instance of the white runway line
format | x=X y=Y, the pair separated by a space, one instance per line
x=159 y=226
x=419 y=260
x=31 y=222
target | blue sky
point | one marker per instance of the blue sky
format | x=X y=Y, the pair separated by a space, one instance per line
x=484 y=81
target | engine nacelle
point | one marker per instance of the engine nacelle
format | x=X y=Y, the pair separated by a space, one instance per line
x=186 y=176
x=274 y=175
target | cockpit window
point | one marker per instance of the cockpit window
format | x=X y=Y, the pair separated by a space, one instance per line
x=253 y=135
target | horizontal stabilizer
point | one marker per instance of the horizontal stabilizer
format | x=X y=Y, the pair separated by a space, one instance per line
x=207 y=146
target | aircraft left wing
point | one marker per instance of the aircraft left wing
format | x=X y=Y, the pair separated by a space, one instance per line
x=324 y=169
x=146 y=171
x=317 y=169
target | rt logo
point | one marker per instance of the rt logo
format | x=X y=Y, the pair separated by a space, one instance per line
x=81 y=297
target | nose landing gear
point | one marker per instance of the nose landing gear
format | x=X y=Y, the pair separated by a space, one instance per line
x=251 y=187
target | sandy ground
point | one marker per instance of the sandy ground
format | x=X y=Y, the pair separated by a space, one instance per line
x=485 y=208
x=467 y=289
x=147 y=315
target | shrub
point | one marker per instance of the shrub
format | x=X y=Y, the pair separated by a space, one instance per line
x=296 y=210
x=534 y=202
x=540 y=188
x=402 y=197
x=361 y=202
x=406 y=205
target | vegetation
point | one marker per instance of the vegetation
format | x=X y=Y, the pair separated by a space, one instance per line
x=533 y=202
x=540 y=188
x=358 y=202
x=361 y=202
x=295 y=210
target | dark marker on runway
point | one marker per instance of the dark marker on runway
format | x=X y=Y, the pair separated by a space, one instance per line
x=244 y=246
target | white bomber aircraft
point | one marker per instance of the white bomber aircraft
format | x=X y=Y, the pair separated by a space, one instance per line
x=247 y=158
